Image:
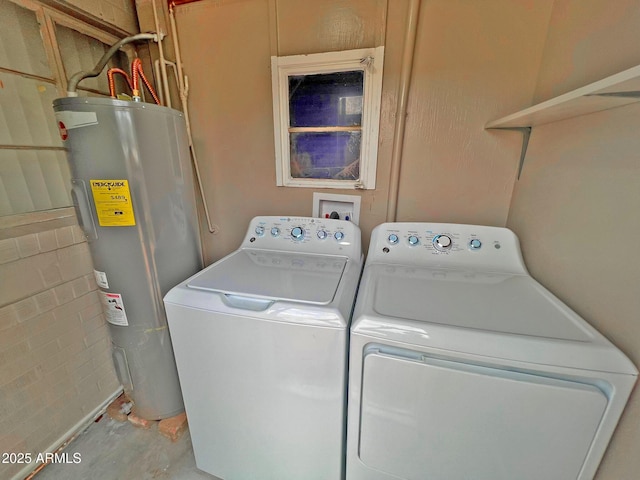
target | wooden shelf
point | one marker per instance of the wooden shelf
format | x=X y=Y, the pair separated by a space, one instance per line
x=615 y=91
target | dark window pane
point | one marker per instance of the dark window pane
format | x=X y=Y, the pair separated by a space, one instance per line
x=326 y=100
x=332 y=155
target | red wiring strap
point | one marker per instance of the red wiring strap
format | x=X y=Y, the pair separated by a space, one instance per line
x=136 y=73
x=112 y=84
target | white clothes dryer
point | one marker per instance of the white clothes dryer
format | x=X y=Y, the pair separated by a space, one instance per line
x=260 y=339
x=462 y=366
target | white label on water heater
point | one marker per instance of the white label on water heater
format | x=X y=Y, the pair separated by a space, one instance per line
x=101 y=279
x=114 y=309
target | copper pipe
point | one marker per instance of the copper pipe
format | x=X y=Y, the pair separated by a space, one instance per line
x=112 y=83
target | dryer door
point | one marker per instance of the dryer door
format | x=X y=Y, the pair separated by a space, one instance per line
x=423 y=417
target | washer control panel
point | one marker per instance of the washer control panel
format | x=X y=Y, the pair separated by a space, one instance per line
x=305 y=235
x=446 y=244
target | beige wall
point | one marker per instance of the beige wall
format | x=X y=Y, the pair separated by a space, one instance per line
x=474 y=61
x=576 y=205
x=587 y=41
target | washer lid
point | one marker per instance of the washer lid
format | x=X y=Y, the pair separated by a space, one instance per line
x=504 y=303
x=274 y=276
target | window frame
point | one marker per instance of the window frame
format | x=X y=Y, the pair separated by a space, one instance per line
x=368 y=60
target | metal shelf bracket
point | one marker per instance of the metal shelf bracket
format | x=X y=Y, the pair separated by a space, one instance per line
x=526 y=135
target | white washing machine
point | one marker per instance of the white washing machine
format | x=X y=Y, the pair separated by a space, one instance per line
x=260 y=339
x=464 y=367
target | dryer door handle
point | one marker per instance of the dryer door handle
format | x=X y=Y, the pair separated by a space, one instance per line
x=247 y=303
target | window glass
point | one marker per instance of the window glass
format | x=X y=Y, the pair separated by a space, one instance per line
x=330 y=99
x=330 y=155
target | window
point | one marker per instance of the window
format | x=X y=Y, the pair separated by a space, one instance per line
x=326 y=110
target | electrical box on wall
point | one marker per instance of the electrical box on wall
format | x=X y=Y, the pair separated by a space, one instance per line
x=331 y=205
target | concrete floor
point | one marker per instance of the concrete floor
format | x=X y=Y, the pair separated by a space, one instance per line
x=111 y=450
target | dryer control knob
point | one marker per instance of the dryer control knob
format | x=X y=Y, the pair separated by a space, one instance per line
x=338 y=235
x=413 y=240
x=393 y=239
x=259 y=230
x=442 y=242
x=275 y=231
x=297 y=233
x=322 y=234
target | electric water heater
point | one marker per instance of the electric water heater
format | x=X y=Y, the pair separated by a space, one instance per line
x=132 y=187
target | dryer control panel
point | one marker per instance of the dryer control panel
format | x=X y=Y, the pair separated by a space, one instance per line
x=305 y=235
x=447 y=245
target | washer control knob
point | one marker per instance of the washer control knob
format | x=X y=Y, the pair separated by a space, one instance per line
x=275 y=231
x=297 y=233
x=413 y=240
x=475 y=244
x=322 y=234
x=338 y=235
x=442 y=242
x=393 y=239
x=259 y=230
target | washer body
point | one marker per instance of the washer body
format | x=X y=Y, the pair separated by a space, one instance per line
x=463 y=366
x=260 y=339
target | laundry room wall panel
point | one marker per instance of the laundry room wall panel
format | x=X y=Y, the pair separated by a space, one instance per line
x=575 y=207
x=330 y=25
x=226 y=54
x=587 y=41
x=473 y=61
x=575 y=211
x=227 y=47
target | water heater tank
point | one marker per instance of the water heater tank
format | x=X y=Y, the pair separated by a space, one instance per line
x=132 y=187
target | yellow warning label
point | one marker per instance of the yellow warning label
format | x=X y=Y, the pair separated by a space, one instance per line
x=113 y=203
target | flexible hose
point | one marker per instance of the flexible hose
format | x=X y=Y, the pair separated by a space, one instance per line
x=136 y=73
x=112 y=83
x=79 y=76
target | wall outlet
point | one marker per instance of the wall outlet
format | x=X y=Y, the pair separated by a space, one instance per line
x=347 y=207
